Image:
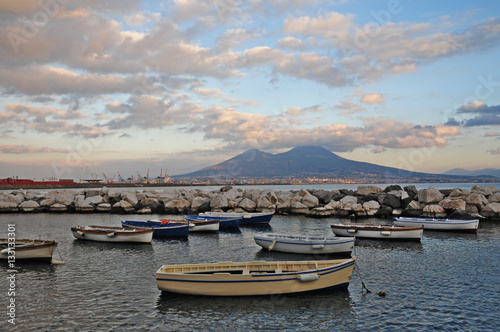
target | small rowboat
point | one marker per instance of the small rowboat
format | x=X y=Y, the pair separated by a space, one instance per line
x=195 y=225
x=159 y=229
x=249 y=218
x=302 y=244
x=112 y=234
x=379 y=232
x=440 y=224
x=27 y=250
x=224 y=222
x=254 y=278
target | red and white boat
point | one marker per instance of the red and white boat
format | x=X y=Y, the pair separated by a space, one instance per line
x=379 y=232
x=112 y=234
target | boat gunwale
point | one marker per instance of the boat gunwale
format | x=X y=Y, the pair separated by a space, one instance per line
x=251 y=276
x=118 y=230
x=157 y=226
x=34 y=244
x=333 y=240
x=378 y=228
x=436 y=221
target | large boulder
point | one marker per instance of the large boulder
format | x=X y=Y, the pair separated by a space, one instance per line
x=114 y=192
x=393 y=187
x=323 y=196
x=348 y=201
x=8 y=206
x=61 y=197
x=309 y=200
x=494 y=198
x=219 y=202
x=299 y=208
x=491 y=210
x=484 y=190
x=431 y=195
x=130 y=197
x=477 y=199
x=371 y=207
x=320 y=212
x=434 y=211
x=366 y=190
x=459 y=194
x=391 y=201
x=453 y=204
x=414 y=208
x=103 y=207
x=198 y=202
x=57 y=207
x=411 y=190
x=247 y=204
x=29 y=206
x=460 y=214
x=94 y=200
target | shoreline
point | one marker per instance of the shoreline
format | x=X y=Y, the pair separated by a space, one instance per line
x=481 y=202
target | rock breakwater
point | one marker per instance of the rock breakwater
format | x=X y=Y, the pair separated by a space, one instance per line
x=366 y=201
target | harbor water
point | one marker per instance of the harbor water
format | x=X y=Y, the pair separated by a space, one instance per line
x=450 y=281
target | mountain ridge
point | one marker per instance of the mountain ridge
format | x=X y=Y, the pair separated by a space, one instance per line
x=309 y=161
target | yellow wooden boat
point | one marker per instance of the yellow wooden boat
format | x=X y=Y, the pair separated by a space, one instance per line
x=255 y=278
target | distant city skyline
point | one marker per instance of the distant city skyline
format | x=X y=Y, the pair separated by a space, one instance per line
x=101 y=87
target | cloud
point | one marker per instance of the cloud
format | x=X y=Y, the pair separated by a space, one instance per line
x=483 y=115
x=291 y=43
x=377 y=150
x=494 y=151
x=48 y=120
x=492 y=134
x=349 y=107
x=28 y=149
x=372 y=98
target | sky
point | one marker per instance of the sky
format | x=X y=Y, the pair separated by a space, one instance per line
x=96 y=88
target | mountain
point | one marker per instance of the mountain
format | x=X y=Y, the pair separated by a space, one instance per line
x=480 y=172
x=309 y=162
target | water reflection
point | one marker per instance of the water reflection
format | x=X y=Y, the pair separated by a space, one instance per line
x=389 y=245
x=274 y=312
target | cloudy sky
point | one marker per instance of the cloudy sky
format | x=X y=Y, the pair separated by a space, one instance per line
x=93 y=87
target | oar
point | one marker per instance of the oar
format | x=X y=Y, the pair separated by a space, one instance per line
x=272 y=245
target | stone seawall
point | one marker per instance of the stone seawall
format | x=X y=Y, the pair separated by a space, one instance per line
x=366 y=201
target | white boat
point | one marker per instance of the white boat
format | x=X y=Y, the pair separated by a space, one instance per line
x=204 y=225
x=254 y=278
x=380 y=232
x=112 y=234
x=249 y=218
x=439 y=224
x=200 y=225
x=303 y=244
x=25 y=249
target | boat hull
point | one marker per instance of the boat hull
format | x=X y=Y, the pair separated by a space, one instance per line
x=160 y=230
x=438 y=224
x=305 y=245
x=112 y=234
x=379 y=232
x=224 y=222
x=204 y=226
x=254 y=278
x=29 y=250
x=249 y=218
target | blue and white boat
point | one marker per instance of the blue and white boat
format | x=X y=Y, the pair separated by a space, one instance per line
x=224 y=222
x=439 y=224
x=160 y=229
x=248 y=218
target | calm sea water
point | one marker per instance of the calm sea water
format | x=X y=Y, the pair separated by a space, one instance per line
x=448 y=282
